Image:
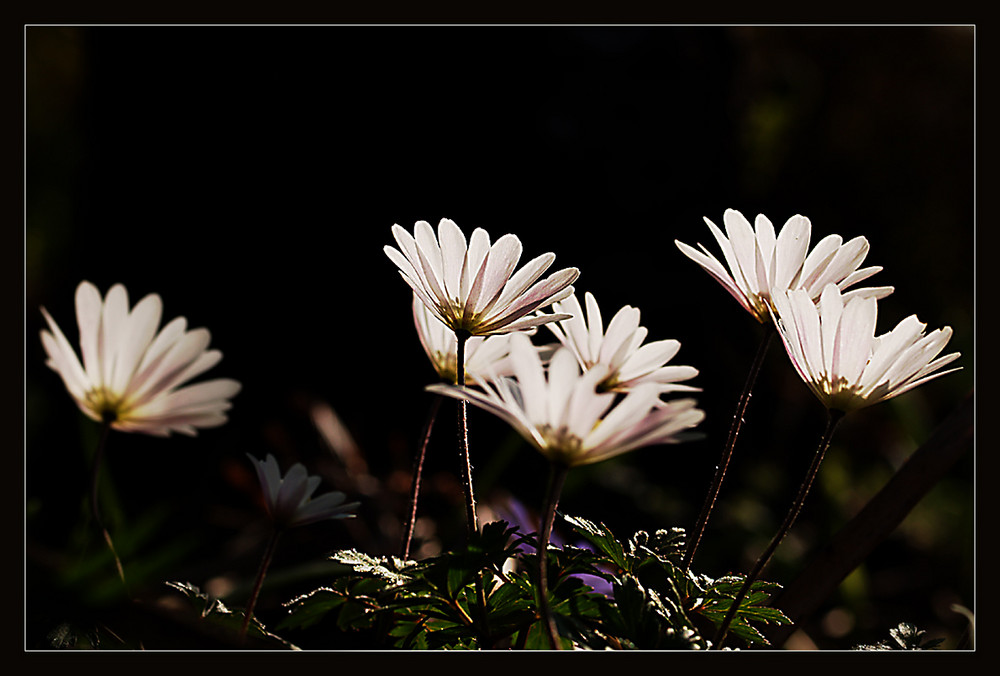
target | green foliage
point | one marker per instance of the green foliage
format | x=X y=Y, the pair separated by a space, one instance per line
x=222 y=620
x=653 y=604
x=904 y=636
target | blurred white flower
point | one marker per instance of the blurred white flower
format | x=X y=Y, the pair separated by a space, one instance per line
x=620 y=348
x=566 y=418
x=471 y=288
x=762 y=266
x=834 y=348
x=131 y=374
x=289 y=499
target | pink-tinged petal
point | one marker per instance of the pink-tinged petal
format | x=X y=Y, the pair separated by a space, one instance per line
x=530 y=376
x=89 y=308
x=141 y=328
x=524 y=278
x=432 y=278
x=831 y=307
x=63 y=359
x=618 y=344
x=856 y=336
x=744 y=245
x=165 y=373
x=563 y=373
x=499 y=265
x=527 y=323
x=730 y=257
x=858 y=276
x=595 y=326
x=114 y=321
x=844 y=262
x=816 y=263
x=790 y=252
x=877 y=292
x=538 y=296
x=649 y=357
x=427 y=245
x=712 y=266
x=479 y=247
x=453 y=252
x=586 y=405
x=764 y=232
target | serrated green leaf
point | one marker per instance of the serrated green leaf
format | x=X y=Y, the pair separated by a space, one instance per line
x=600 y=536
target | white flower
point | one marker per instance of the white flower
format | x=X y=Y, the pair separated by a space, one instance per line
x=289 y=499
x=566 y=418
x=762 y=266
x=483 y=354
x=132 y=375
x=620 y=348
x=471 y=288
x=834 y=348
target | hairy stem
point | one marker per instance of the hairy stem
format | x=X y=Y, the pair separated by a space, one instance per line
x=471 y=522
x=557 y=476
x=727 y=451
x=265 y=562
x=833 y=418
x=418 y=467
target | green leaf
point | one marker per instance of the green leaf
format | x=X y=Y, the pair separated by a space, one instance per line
x=214 y=612
x=601 y=537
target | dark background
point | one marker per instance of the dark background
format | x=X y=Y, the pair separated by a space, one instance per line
x=250 y=176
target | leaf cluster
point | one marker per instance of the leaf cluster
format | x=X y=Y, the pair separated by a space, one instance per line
x=652 y=604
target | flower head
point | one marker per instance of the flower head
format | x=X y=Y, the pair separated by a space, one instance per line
x=133 y=375
x=562 y=414
x=483 y=354
x=762 y=265
x=620 y=349
x=289 y=499
x=470 y=287
x=834 y=348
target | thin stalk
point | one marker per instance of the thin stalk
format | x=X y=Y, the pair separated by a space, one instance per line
x=265 y=562
x=833 y=418
x=727 y=451
x=94 y=482
x=471 y=523
x=557 y=476
x=418 y=467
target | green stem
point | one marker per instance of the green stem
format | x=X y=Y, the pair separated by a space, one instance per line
x=727 y=451
x=557 y=477
x=833 y=418
x=94 y=482
x=418 y=468
x=265 y=562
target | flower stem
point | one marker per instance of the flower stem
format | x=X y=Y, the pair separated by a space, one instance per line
x=557 y=476
x=265 y=562
x=833 y=418
x=471 y=522
x=94 y=481
x=727 y=451
x=418 y=468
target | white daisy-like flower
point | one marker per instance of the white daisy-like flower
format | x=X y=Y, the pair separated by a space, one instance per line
x=562 y=414
x=834 y=348
x=483 y=354
x=762 y=265
x=620 y=348
x=471 y=287
x=289 y=498
x=132 y=375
